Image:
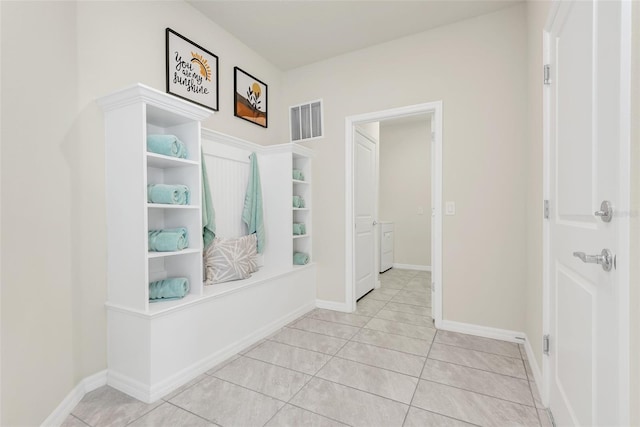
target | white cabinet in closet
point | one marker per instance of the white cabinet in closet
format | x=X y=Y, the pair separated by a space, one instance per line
x=131 y=115
x=302 y=201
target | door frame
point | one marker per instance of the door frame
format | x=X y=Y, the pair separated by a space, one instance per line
x=623 y=209
x=436 y=110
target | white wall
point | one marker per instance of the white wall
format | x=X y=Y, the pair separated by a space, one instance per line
x=537 y=12
x=39 y=310
x=405 y=188
x=478 y=69
x=57 y=58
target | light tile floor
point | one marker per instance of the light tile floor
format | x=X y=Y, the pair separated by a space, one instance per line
x=385 y=365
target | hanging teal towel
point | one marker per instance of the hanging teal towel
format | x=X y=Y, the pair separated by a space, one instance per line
x=169 y=240
x=208 y=214
x=168 y=194
x=252 y=212
x=168 y=289
x=300 y=258
x=167 y=145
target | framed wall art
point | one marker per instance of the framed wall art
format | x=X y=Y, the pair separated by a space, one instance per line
x=250 y=98
x=192 y=71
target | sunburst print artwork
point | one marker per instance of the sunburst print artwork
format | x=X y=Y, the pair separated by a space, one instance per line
x=192 y=71
x=205 y=69
x=250 y=98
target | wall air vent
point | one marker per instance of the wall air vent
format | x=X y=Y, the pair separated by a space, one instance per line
x=306 y=121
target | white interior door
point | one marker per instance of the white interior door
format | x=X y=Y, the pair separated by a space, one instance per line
x=585 y=107
x=364 y=213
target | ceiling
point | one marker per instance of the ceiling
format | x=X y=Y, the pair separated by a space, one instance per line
x=291 y=34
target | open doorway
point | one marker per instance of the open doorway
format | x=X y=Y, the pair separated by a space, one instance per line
x=374 y=201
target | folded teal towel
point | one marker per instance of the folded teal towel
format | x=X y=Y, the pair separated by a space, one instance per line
x=168 y=194
x=168 y=145
x=168 y=289
x=208 y=213
x=299 y=228
x=297 y=174
x=300 y=258
x=252 y=213
x=298 y=202
x=169 y=240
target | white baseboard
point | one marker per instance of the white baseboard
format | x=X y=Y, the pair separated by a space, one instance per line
x=188 y=374
x=143 y=393
x=484 y=331
x=152 y=394
x=60 y=414
x=412 y=267
x=499 y=334
x=332 y=305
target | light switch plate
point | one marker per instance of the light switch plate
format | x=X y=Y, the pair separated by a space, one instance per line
x=450 y=208
x=420 y=210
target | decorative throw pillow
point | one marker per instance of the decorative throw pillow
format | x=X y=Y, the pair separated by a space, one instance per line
x=230 y=259
x=251 y=242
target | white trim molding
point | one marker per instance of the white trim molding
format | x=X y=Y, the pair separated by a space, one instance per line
x=412 y=267
x=88 y=384
x=436 y=110
x=483 y=331
x=333 y=305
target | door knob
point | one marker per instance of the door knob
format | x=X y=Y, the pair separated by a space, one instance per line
x=606 y=211
x=605 y=259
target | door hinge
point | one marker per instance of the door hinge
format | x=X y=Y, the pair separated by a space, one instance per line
x=547 y=74
x=546 y=209
x=545 y=344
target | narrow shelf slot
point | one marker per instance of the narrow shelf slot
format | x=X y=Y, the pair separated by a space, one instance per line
x=161 y=161
x=300 y=209
x=163 y=206
x=167 y=254
x=301 y=236
x=297 y=181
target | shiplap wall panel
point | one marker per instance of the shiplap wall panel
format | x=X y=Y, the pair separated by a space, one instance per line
x=228 y=179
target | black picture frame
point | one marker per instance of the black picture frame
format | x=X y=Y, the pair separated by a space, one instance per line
x=248 y=103
x=191 y=71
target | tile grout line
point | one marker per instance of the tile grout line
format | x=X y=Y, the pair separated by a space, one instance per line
x=325 y=364
x=304 y=348
x=186 y=410
x=479 y=351
x=478 y=393
x=480 y=369
x=310 y=379
x=419 y=378
x=145 y=413
x=473 y=349
x=524 y=362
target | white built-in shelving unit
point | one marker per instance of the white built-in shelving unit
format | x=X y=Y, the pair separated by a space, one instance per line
x=131 y=115
x=154 y=348
x=301 y=159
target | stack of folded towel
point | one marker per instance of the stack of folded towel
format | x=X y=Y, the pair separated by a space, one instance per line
x=168 y=289
x=298 y=175
x=167 y=145
x=298 y=202
x=168 y=194
x=299 y=228
x=168 y=240
x=300 y=258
